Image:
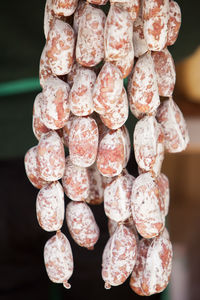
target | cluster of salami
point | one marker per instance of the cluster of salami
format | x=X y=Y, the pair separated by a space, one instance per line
x=83 y=106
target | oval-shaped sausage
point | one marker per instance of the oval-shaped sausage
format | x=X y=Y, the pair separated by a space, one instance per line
x=107 y=89
x=81 y=224
x=45 y=70
x=174 y=126
x=149 y=145
x=55 y=104
x=37 y=125
x=111 y=153
x=83 y=141
x=157 y=252
x=119 y=257
x=142 y=88
x=137 y=275
x=156 y=273
x=117 y=198
x=174 y=22
x=117 y=116
x=90 y=41
x=75 y=181
x=58 y=259
x=147 y=206
x=48 y=16
x=60 y=47
x=155 y=15
x=51 y=157
x=80 y=97
x=32 y=169
x=64 y=7
x=118 y=35
x=165 y=72
x=50 y=207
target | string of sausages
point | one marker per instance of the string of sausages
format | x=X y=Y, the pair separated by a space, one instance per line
x=83 y=107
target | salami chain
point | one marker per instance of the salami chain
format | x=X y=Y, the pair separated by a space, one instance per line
x=83 y=106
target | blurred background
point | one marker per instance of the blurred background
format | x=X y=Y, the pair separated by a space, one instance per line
x=22 y=272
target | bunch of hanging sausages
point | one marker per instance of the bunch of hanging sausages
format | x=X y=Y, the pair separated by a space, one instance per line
x=82 y=110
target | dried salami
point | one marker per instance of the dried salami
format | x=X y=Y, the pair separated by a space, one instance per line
x=60 y=47
x=90 y=43
x=58 y=259
x=51 y=157
x=165 y=72
x=147 y=206
x=142 y=88
x=81 y=224
x=119 y=257
x=155 y=15
x=174 y=126
x=75 y=181
x=50 y=207
x=83 y=141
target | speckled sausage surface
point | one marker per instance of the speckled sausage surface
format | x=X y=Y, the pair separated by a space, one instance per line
x=119 y=256
x=64 y=7
x=81 y=224
x=107 y=89
x=48 y=17
x=32 y=168
x=131 y=6
x=44 y=69
x=165 y=72
x=50 y=207
x=37 y=125
x=75 y=181
x=80 y=97
x=158 y=266
x=55 y=104
x=152 y=270
x=174 y=22
x=83 y=141
x=142 y=88
x=155 y=14
x=111 y=153
x=51 y=157
x=78 y=14
x=60 y=47
x=72 y=74
x=137 y=274
x=118 y=35
x=117 y=198
x=149 y=145
x=90 y=41
x=139 y=43
x=174 y=126
x=58 y=259
x=117 y=116
x=147 y=206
